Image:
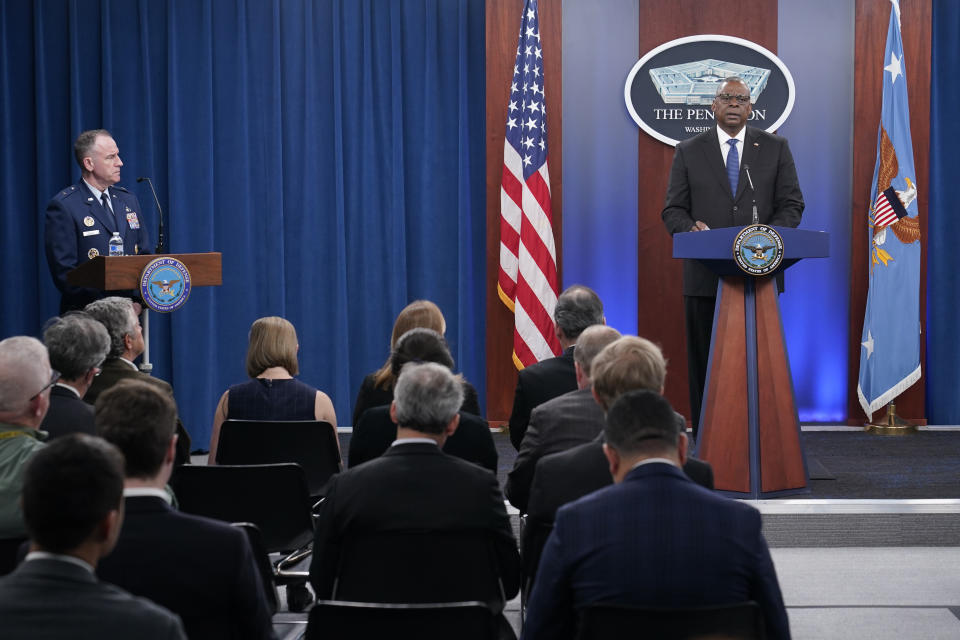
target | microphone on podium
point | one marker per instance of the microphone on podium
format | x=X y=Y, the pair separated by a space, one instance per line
x=160 y=248
x=746 y=169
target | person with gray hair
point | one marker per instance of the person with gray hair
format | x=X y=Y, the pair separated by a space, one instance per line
x=414 y=488
x=577 y=308
x=78 y=346
x=25 y=381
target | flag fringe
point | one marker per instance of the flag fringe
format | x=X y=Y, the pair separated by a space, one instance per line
x=870 y=407
x=505 y=299
x=517 y=363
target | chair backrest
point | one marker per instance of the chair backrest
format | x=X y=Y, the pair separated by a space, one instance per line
x=533 y=538
x=312 y=444
x=470 y=620
x=10 y=554
x=738 y=621
x=262 y=560
x=272 y=496
x=419 y=566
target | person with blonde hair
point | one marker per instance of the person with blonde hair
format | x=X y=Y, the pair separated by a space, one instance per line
x=272 y=393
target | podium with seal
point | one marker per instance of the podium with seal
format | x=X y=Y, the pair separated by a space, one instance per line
x=749 y=428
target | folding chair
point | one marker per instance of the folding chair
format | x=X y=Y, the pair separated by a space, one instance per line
x=470 y=620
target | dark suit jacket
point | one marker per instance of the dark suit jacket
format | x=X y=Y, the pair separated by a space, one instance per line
x=67 y=414
x=78 y=228
x=53 y=599
x=700 y=190
x=113 y=371
x=536 y=384
x=556 y=425
x=376 y=431
x=370 y=396
x=412 y=487
x=201 y=569
x=656 y=539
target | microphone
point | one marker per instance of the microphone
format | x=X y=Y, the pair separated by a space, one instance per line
x=160 y=248
x=746 y=169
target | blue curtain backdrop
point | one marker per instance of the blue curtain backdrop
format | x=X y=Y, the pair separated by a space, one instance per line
x=943 y=281
x=332 y=150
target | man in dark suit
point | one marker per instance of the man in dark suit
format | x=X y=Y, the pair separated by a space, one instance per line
x=77 y=345
x=414 y=488
x=654 y=538
x=578 y=307
x=201 y=569
x=563 y=422
x=72 y=503
x=81 y=218
x=126 y=345
x=709 y=188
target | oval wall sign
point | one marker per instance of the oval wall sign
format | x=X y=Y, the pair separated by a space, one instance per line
x=670 y=89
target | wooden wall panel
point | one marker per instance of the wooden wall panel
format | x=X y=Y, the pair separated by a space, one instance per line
x=872 y=19
x=502 y=29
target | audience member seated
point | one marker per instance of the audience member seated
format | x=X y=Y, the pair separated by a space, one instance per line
x=119 y=316
x=578 y=307
x=375 y=431
x=564 y=421
x=202 y=570
x=272 y=393
x=654 y=538
x=25 y=381
x=415 y=487
x=72 y=504
x=78 y=346
x=376 y=390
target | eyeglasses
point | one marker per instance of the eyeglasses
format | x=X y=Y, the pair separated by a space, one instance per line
x=727 y=98
x=54 y=376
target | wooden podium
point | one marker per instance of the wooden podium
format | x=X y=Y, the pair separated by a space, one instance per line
x=749 y=429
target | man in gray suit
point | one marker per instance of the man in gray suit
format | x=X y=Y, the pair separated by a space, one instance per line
x=565 y=421
x=72 y=504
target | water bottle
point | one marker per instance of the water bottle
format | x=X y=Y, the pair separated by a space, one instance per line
x=116 y=244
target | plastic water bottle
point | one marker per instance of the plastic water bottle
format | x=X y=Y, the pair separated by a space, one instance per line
x=116 y=244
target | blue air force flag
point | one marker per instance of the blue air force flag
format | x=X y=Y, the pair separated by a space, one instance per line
x=890 y=345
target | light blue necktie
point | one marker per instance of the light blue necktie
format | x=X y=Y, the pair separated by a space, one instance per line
x=733 y=165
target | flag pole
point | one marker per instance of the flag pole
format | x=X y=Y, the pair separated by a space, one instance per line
x=891 y=424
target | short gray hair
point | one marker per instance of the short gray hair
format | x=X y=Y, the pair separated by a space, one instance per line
x=76 y=343
x=427 y=396
x=116 y=314
x=590 y=343
x=24 y=369
x=577 y=308
x=85 y=143
x=730 y=79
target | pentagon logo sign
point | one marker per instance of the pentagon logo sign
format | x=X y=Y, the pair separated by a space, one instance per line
x=670 y=89
x=165 y=284
x=758 y=250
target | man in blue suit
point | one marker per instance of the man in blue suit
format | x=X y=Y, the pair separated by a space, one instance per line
x=653 y=538
x=81 y=218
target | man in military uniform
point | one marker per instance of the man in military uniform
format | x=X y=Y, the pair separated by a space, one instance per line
x=81 y=218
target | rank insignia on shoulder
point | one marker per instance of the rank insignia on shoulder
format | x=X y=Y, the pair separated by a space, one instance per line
x=93 y=253
x=88 y=221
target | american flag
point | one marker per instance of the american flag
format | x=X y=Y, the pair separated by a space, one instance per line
x=527 y=279
x=887 y=209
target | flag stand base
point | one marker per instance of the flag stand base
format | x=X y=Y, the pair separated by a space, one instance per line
x=891 y=424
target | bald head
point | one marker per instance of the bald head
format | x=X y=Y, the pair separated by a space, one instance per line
x=24 y=371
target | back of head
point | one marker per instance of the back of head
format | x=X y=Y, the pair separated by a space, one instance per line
x=69 y=487
x=627 y=364
x=273 y=343
x=24 y=370
x=590 y=343
x=420 y=345
x=116 y=314
x=140 y=421
x=419 y=314
x=76 y=343
x=642 y=423
x=578 y=307
x=427 y=397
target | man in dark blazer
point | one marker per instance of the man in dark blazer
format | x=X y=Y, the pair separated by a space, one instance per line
x=77 y=345
x=81 y=218
x=709 y=188
x=72 y=505
x=126 y=345
x=414 y=487
x=577 y=308
x=201 y=569
x=563 y=422
x=654 y=538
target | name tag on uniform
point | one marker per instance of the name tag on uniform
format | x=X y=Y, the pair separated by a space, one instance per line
x=91 y=233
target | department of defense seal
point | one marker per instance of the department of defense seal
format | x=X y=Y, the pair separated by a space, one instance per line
x=758 y=249
x=165 y=284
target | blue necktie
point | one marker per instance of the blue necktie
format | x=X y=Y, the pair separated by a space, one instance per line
x=733 y=165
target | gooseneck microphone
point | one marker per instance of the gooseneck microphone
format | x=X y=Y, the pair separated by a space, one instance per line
x=160 y=248
x=746 y=169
